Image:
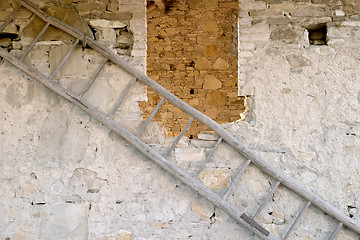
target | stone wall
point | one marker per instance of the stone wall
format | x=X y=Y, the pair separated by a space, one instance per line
x=192 y=53
x=65 y=176
x=303 y=99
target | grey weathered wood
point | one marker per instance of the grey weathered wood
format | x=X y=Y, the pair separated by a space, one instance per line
x=34 y=41
x=94 y=77
x=267 y=198
x=227 y=137
x=236 y=179
x=287 y=235
x=8 y=20
x=177 y=139
x=142 y=147
x=65 y=59
x=336 y=231
x=151 y=116
x=208 y=157
x=122 y=97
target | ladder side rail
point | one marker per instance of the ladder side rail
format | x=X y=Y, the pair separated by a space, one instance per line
x=144 y=148
x=220 y=131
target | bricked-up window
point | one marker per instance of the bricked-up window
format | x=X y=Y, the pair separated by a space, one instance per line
x=192 y=52
x=317 y=34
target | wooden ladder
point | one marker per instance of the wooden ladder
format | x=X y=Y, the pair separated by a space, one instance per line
x=161 y=158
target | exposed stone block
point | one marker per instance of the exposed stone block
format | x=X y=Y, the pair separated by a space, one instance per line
x=297 y=61
x=215 y=98
x=266 y=13
x=208 y=136
x=211 y=82
x=65 y=221
x=211 y=50
x=210 y=26
x=5 y=42
x=282 y=33
x=4 y=5
x=120 y=235
x=221 y=64
x=249 y=37
x=202 y=64
x=118 y=16
x=23 y=14
x=229 y=5
x=4 y=16
x=215 y=178
x=89 y=7
x=246 y=46
x=340 y=33
x=278 y=21
x=189 y=154
x=107 y=24
x=19 y=94
x=351 y=24
x=203 y=210
x=245 y=54
x=311 y=12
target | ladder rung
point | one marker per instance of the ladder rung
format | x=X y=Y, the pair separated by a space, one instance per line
x=65 y=59
x=336 y=231
x=93 y=78
x=273 y=189
x=34 y=41
x=8 y=20
x=151 y=116
x=236 y=179
x=287 y=235
x=168 y=151
x=122 y=97
x=208 y=157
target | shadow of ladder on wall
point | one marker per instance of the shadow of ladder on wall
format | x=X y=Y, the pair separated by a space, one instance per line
x=218 y=200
